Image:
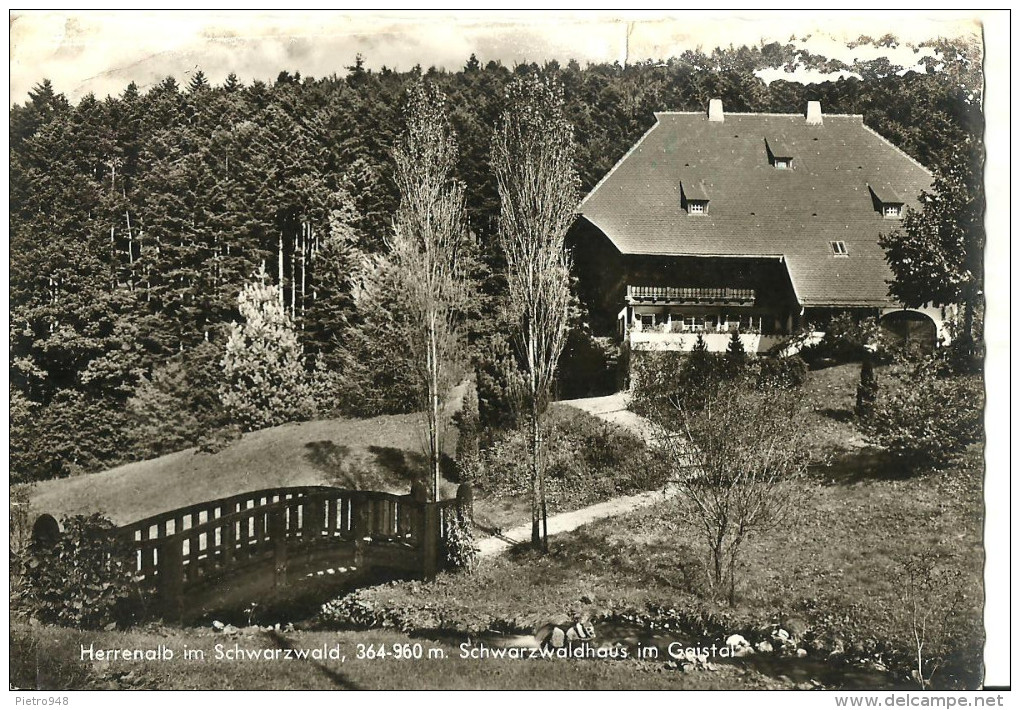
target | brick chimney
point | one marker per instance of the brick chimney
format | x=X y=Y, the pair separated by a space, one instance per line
x=715 y=112
x=814 y=113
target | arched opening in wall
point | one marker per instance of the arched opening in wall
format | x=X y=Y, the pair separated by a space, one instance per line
x=910 y=329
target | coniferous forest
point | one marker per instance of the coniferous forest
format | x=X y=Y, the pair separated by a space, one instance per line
x=138 y=219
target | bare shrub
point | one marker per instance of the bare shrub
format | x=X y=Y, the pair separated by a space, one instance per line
x=931 y=594
x=736 y=458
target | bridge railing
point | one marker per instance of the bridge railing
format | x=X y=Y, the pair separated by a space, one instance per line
x=181 y=548
x=178 y=549
x=176 y=521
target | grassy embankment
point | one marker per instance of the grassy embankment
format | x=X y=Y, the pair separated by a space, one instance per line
x=382 y=453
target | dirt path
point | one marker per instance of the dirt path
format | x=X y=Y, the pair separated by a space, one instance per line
x=565 y=522
x=611 y=409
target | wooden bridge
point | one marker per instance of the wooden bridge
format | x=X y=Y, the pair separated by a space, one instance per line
x=282 y=534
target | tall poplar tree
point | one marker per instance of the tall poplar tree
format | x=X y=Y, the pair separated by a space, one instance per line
x=533 y=153
x=429 y=234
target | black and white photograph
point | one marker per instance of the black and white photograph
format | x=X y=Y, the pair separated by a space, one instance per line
x=509 y=351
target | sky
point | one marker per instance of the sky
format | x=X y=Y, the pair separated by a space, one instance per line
x=102 y=51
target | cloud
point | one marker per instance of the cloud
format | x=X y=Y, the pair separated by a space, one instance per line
x=101 y=52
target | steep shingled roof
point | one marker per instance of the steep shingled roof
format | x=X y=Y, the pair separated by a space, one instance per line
x=756 y=209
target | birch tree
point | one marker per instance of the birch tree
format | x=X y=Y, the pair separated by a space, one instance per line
x=429 y=233
x=533 y=153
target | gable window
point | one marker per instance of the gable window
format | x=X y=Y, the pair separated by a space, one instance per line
x=839 y=248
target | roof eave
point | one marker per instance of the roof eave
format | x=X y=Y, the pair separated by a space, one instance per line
x=618 y=164
x=829 y=303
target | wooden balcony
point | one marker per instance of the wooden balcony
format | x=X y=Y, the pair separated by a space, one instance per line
x=690 y=295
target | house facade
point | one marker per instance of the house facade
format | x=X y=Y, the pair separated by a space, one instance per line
x=756 y=223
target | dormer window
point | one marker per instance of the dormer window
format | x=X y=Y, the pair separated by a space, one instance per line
x=839 y=248
x=886 y=201
x=693 y=197
x=780 y=155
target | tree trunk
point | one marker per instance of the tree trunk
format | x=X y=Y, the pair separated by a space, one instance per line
x=717 y=561
x=131 y=253
x=279 y=252
x=435 y=433
x=968 y=319
x=432 y=373
x=733 y=578
x=536 y=445
x=293 y=276
x=304 y=263
x=314 y=251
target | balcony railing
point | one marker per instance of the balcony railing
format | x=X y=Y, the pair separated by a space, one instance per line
x=687 y=294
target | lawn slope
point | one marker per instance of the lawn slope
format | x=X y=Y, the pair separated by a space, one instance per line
x=381 y=453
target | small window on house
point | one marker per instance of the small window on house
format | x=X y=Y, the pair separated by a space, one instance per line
x=839 y=248
x=693 y=197
x=780 y=153
x=886 y=200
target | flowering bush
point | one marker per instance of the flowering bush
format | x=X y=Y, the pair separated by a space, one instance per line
x=783 y=372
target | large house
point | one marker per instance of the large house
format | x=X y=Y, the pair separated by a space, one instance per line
x=760 y=223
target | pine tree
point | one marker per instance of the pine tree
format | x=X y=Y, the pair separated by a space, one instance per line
x=198 y=82
x=265 y=383
x=700 y=347
x=701 y=365
x=735 y=357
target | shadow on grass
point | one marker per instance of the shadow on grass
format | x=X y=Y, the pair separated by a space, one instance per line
x=860 y=466
x=404 y=465
x=374 y=468
x=840 y=415
x=338 y=679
